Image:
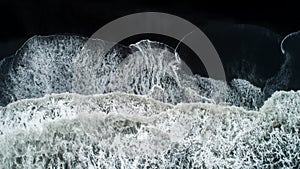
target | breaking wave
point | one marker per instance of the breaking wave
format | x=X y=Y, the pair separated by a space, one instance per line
x=119 y=130
x=65 y=106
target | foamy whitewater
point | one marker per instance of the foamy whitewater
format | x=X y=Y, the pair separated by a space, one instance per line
x=65 y=106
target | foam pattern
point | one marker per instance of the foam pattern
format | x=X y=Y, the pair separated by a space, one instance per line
x=118 y=130
x=69 y=104
x=58 y=64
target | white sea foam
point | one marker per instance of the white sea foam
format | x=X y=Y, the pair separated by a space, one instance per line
x=58 y=64
x=136 y=108
x=119 y=130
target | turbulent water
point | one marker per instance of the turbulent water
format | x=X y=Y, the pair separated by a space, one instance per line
x=65 y=106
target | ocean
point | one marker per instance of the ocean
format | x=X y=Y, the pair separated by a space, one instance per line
x=63 y=106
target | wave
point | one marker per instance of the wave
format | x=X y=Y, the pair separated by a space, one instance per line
x=130 y=131
x=67 y=106
x=58 y=64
